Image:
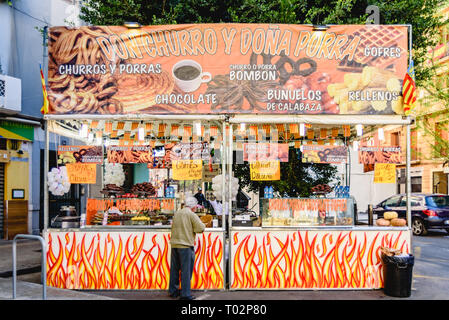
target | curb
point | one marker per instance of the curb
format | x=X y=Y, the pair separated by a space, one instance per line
x=8 y=274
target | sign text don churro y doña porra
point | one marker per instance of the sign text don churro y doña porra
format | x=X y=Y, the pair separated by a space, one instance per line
x=227 y=68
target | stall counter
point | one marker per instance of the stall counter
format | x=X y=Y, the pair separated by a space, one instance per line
x=127 y=258
x=311 y=257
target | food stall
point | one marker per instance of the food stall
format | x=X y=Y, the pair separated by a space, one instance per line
x=121 y=239
x=310 y=242
x=160 y=111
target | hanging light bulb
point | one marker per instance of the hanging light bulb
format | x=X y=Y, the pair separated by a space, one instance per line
x=90 y=137
x=84 y=131
x=302 y=129
x=359 y=129
x=242 y=127
x=198 y=128
x=381 y=134
x=106 y=142
x=355 y=145
x=99 y=136
x=141 y=133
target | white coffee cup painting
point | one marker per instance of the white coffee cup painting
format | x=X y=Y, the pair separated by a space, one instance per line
x=189 y=75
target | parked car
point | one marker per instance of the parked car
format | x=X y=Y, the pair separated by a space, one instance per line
x=428 y=211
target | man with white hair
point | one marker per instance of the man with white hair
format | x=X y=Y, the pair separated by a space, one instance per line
x=186 y=224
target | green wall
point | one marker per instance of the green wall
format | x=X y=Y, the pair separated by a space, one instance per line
x=140 y=173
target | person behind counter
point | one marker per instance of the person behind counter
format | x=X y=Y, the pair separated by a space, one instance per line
x=200 y=198
x=218 y=211
x=184 y=227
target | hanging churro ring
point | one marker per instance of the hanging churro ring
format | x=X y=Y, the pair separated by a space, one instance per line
x=110 y=106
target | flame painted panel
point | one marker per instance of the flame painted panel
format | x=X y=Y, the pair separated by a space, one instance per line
x=311 y=259
x=127 y=260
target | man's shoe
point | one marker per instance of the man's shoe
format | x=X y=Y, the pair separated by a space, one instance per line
x=188 y=298
x=174 y=295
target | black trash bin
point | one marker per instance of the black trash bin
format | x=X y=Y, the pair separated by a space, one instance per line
x=397 y=272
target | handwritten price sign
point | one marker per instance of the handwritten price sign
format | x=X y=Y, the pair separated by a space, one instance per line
x=82 y=173
x=385 y=173
x=187 y=169
x=265 y=170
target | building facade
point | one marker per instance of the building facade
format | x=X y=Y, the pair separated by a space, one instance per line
x=22 y=138
x=429 y=167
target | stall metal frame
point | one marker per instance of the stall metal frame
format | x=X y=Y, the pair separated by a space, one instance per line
x=252 y=234
x=105 y=233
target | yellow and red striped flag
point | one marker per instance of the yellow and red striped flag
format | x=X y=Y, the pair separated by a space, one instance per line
x=409 y=89
x=44 y=109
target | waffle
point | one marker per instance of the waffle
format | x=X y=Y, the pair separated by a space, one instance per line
x=350 y=66
x=376 y=36
x=383 y=62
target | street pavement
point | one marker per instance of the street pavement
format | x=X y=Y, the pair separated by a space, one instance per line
x=430 y=279
x=29 y=284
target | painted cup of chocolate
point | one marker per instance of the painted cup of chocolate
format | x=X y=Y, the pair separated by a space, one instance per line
x=189 y=75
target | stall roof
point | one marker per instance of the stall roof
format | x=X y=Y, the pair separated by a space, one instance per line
x=135 y=117
x=323 y=119
x=69 y=127
x=253 y=118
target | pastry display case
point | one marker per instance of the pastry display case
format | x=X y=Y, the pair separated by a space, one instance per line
x=292 y=212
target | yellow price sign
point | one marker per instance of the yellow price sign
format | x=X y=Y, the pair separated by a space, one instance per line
x=82 y=173
x=265 y=170
x=384 y=173
x=187 y=169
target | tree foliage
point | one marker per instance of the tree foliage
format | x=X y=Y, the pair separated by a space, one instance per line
x=420 y=14
x=297 y=178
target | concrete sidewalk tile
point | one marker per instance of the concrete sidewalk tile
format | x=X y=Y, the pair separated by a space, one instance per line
x=33 y=291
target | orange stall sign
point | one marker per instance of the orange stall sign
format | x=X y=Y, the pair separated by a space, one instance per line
x=82 y=173
x=265 y=170
x=187 y=169
x=384 y=173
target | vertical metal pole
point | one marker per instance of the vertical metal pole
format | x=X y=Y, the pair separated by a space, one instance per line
x=44 y=269
x=408 y=181
x=46 y=169
x=223 y=201
x=230 y=174
x=346 y=171
x=408 y=178
x=44 y=48
x=229 y=161
x=410 y=42
x=46 y=160
x=223 y=177
x=14 y=268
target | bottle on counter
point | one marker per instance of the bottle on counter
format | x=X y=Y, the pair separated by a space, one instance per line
x=105 y=218
x=270 y=192
x=337 y=191
x=347 y=192
x=265 y=192
x=83 y=220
